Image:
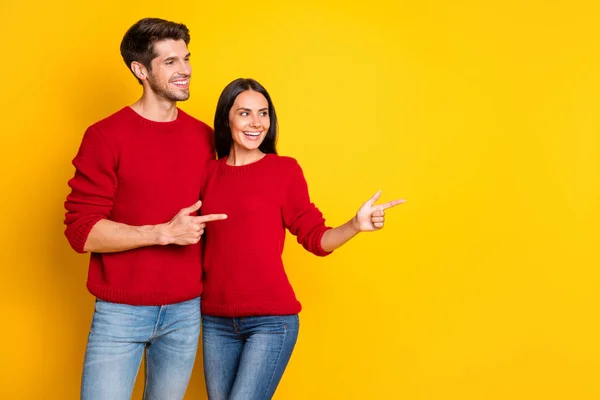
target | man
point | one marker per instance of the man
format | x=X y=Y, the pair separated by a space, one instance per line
x=137 y=184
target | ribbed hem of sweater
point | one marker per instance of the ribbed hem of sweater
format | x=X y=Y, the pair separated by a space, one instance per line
x=249 y=310
x=143 y=298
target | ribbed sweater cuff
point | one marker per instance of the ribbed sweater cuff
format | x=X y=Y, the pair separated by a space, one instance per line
x=316 y=245
x=81 y=234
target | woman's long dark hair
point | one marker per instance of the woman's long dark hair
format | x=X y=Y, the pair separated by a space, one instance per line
x=223 y=139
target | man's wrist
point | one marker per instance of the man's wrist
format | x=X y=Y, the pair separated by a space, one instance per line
x=157 y=234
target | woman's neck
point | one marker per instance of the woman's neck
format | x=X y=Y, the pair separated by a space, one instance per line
x=242 y=157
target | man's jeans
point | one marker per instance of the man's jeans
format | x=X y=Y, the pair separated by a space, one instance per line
x=120 y=334
x=244 y=358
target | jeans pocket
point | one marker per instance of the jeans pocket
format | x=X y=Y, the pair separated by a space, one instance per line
x=121 y=320
x=290 y=322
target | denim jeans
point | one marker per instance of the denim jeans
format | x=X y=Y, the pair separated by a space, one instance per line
x=120 y=334
x=244 y=358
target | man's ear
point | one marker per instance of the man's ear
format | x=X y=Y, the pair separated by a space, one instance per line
x=139 y=70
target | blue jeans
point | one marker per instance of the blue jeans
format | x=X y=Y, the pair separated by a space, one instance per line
x=120 y=334
x=244 y=358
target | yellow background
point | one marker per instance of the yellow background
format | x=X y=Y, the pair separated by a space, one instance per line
x=482 y=114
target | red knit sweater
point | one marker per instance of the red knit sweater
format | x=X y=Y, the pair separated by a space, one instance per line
x=243 y=270
x=139 y=172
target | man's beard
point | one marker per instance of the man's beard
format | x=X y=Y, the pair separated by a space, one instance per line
x=172 y=95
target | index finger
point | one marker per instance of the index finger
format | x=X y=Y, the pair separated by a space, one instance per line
x=210 y=217
x=191 y=209
x=390 y=204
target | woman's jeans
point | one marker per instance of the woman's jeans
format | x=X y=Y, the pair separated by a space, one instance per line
x=244 y=358
x=120 y=334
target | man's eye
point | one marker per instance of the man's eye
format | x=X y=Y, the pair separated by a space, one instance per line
x=244 y=114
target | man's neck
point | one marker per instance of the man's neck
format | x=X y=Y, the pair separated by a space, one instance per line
x=156 y=109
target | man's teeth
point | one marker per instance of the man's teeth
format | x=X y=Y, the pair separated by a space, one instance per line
x=252 y=133
x=180 y=83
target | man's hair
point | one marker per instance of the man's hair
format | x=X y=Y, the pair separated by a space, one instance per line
x=138 y=42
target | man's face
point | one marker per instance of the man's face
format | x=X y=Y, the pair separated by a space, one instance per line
x=171 y=70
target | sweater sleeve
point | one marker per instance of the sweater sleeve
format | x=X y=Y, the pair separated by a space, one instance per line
x=92 y=188
x=207 y=173
x=301 y=217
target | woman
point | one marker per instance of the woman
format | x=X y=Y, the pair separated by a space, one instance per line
x=250 y=312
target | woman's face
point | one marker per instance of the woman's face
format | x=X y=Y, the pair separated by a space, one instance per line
x=249 y=121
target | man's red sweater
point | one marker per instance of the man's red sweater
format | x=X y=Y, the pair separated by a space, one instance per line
x=243 y=269
x=139 y=172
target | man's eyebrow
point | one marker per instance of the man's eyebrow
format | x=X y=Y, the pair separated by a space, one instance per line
x=170 y=58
